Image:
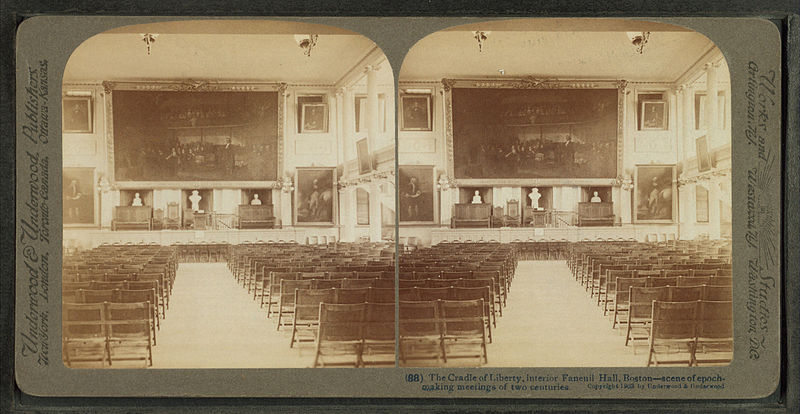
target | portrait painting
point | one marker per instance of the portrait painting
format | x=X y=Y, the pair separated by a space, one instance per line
x=416 y=188
x=703 y=157
x=315 y=193
x=364 y=157
x=653 y=115
x=77 y=114
x=654 y=195
x=416 y=114
x=195 y=136
x=315 y=116
x=78 y=196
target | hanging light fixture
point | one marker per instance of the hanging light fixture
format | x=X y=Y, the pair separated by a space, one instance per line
x=306 y=42
x=481 y=37
x=148 y=39
x=639 y=39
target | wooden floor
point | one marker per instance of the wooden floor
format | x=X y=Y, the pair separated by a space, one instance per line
x=549 y=322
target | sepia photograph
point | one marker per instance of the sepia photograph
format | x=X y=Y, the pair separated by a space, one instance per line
x=572 y=227
x=481 y=208
x=213 y=219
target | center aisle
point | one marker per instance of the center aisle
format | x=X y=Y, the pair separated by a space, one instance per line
x=213 y=323
x=550 y=321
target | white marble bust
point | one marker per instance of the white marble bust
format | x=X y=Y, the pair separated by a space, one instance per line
x=137 y=201
x=476 y=199
x=535 y=196
x=255 y=201
x=596 y=198
x=195 y=199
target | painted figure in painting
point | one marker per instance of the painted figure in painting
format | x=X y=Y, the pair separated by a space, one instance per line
x=73 y=201
x=313 y=200
x=412 y=194
x=658 y=201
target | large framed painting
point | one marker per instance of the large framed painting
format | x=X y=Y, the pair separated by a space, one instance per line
x=315 y=196
x=167 y=133
x=77 y=114
x=364 y=157
x=654 y=197
x=78 y=194
x=511 y=131
x=416 y=113
x=703 y=156
x=417 y=194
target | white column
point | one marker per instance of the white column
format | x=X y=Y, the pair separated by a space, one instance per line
x=680 y=121
x=711 y=104
x=373 y=124
x=286 y=209
x=276 y=205
x=688 y=121
x=446 y=205
x=107 y=207
x=625 y=203
x=691 y=210
x=340 y=119
x=713 y=209
x=347 y=197
x=375 y=221
x=616 y=197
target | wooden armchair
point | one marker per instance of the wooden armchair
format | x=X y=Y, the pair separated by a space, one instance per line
x=173 y=219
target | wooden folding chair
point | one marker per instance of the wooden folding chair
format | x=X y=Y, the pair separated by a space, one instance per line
x=640 y=307
x=286 y=298
x=129 y=332
x=378 y=347
x=306 y=313
x=463 y=329
x=714 y=333
x=84 y=333
x=420 y=333
x=340 y=335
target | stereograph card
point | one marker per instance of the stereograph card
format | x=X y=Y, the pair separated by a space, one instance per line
x=549 y=212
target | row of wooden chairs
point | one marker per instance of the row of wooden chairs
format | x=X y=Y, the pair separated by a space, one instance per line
x=271 y=287
x=107 y=333
x=690 y=333
x=134 y=281
x=303 y=307
x=442 y=329
x=356 y=335
x=117 y=295
x=618 y=283
x=640 y=299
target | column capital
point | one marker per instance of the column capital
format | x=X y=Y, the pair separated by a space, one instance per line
x=371 y=68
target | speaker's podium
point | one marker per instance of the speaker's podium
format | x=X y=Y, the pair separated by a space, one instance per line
x=472 y=215
x=595 y=214
x=256 y=217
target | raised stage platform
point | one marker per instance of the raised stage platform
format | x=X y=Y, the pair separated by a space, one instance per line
x=640 y=232
x=89 y=238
